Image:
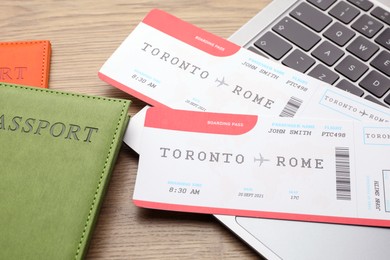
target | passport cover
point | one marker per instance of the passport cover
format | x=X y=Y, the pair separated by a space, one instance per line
x=57 y=152
x=25 y=63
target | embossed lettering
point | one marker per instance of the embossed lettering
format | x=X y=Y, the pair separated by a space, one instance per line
x=7 y=73
x=28 y=123
x=15 y=123
x=52 y=129
x=73 y=130
x=44 y=127
x=90 y=131
x=2 y=122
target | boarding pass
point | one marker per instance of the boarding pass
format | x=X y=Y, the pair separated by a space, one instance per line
x=272 y=167
x=168 y=62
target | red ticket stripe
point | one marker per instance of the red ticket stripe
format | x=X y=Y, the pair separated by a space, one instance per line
x=190 y=34
x=199 y=122
x=263 y=214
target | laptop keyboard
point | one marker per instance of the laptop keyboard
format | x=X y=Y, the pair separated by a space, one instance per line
x=343 y=43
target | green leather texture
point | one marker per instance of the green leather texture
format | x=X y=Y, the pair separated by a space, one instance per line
x=57 y=150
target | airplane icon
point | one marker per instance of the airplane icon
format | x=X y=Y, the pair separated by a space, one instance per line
x=260 y=159
x=221 y=82
x=363 y=112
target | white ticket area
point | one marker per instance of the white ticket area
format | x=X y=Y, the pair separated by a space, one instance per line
x=272 y=167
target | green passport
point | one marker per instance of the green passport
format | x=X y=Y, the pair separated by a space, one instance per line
x=57 y=152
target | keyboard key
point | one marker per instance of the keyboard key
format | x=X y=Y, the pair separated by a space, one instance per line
x=327 y=53
x=384 y=39
x=372 y=99
x=381 y=14
x=323 y=73
x=344 y=12
x=310 y=16
x=376 y=83
x=382 y=62
x=351 y=68
x=273 y=45
x=362 y=48
x=362 y=4
x=367 y=25
x=299 y=61
x=349 y=87
x=387 y=99
x=322 y=4
x=339 y=34
x=296 y=33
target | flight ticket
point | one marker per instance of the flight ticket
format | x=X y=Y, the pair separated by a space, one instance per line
x=167 y=62
x=272 y=167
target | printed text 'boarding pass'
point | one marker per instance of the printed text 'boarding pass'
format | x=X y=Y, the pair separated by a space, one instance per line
x=272 y=167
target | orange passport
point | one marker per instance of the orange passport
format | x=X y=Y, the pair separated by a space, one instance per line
x=25 y=63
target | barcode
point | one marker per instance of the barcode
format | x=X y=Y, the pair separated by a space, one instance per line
x=291 y=108
x=343 y=176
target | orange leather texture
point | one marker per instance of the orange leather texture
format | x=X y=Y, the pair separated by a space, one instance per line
x=25 y=63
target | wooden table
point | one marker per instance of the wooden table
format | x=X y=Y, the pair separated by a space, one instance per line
x=83 y=34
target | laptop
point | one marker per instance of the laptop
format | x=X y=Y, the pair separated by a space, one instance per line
x=346 y=44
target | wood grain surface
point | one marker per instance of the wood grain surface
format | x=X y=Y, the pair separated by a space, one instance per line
x=83 y=34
